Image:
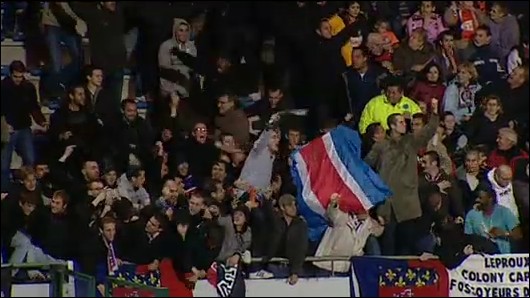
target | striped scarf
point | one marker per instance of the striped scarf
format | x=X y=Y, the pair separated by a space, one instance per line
x=112 y=262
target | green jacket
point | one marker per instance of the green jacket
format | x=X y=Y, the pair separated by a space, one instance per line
x=397 y=164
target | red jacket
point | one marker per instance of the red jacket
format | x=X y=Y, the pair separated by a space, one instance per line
x=424 y=92
x=497 y=159
x=176 y=283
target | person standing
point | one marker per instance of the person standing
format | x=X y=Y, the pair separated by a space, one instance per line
x=397 y=154
x=62 y=26
x=105 y=22
x=19 y=106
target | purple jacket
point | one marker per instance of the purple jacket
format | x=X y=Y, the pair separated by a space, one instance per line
x=434 y=26
x=504 y=36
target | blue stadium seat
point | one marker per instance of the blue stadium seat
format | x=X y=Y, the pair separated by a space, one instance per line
x=5 y=70
x=36 y=72
x=19 y=37
x=54 y=104
x=142 y=105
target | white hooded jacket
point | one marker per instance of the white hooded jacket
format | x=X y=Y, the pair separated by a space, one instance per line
x=505 y=195
x=166 y=59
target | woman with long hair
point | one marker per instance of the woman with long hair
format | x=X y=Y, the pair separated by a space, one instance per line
x=430 y=85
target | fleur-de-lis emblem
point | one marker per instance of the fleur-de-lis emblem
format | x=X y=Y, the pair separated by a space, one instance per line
x=400 y=282
x=390 y=274
x=427 y=275
x=420 y=283
x=411 y=275
x=381 y=281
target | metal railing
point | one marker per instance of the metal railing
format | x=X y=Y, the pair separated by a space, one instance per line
x=334 y=259
x=59 y=273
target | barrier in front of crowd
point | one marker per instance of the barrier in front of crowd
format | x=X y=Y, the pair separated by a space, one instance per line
x=116 y=287
x=477 y=276
x=322 y=285
x=61 y=280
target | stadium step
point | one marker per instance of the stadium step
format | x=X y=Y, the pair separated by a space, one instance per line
x=12 y=50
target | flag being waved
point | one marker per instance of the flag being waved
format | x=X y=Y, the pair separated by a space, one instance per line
x=332 y=164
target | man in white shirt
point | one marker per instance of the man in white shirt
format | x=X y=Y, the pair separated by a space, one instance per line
x=501 y=181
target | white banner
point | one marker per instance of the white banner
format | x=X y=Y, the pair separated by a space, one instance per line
x=491 y=276
x=306 y=287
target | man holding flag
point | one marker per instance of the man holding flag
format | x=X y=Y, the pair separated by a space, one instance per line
x=332 y=164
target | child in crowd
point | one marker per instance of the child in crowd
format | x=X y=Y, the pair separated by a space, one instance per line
x=382 y=42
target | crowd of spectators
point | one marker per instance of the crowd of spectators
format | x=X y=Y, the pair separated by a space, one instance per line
x=438 y=90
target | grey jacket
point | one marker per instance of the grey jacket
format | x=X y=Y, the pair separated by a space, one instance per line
x=233 y=242
x=139 y=197
x=504 y=36
x=257 y=170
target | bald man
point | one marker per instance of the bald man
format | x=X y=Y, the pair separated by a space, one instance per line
x=501 y=181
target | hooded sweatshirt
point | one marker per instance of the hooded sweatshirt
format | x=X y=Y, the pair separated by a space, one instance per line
x=169 y=60
x=505 y=195
x=504 y=36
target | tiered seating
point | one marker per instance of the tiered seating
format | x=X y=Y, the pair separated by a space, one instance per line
x=14 y=50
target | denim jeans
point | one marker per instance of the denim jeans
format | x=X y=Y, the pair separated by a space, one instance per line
x=426 y=243
x=131 y=39
x=131 y=44
x=372 y=247
x=58 y=74
x=113 y=83
x=9 y=17
x=20 y=141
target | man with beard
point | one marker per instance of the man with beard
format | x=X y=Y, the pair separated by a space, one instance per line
x=70 y=178
x=134 y=138
x=492 y=221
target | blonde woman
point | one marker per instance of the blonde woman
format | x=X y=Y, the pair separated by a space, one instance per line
x=459 y=97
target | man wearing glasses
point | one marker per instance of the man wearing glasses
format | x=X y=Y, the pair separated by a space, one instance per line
x=19 y=106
